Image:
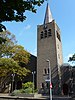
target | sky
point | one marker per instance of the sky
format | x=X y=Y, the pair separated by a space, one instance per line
x=63 y=12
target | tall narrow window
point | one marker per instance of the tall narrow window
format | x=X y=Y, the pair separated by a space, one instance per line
x=59 y=56
x=49 y=33
x=58 y=46
x=42 y=85
x=45 y=33
x=58 y=36
x=47 y=85
x=45 y=71
x=41 y=35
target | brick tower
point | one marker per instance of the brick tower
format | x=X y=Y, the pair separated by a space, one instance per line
x=49 y=46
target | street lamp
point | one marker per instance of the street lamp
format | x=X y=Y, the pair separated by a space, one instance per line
x=13 y=75
x=33 y=73
x=50 y=79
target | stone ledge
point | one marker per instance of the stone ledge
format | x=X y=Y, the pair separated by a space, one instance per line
x=29 y=95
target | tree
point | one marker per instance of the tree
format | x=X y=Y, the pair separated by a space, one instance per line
x=8 y=65
x=6 y=47
x=13 y=10
x=2 y=40
x=72 y=58
x=13 y=57
x=20 y=55
x=2 y=28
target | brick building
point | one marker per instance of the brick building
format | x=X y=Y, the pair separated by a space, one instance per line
x=49 y=47
x=68 y=79
x=49 y=51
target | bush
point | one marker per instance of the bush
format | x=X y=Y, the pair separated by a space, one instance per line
x=15 y=92
x=26 y=88
x=27 y=85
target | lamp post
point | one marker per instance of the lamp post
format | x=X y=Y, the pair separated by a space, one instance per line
x=13 y=75
x=50 y=79
x=33 y=73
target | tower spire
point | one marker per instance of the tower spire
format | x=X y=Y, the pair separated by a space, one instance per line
x=48 y=16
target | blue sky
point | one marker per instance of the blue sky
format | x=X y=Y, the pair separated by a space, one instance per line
x=63 y=11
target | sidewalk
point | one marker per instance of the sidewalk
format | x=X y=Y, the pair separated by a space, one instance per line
x=4 y=94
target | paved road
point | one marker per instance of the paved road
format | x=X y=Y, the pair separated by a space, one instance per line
x=7 y=97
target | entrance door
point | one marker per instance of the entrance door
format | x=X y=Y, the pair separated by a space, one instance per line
x=65 y=89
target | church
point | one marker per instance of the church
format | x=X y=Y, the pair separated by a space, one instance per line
x=48 y=64
x=49 y=52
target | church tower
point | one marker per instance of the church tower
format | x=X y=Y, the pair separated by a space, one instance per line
x=49 y=47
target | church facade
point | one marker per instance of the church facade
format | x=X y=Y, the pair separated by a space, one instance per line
x=49 y=59
x=49 y=52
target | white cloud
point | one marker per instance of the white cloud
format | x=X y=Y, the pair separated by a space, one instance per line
x=24 y=28
x=28 y=27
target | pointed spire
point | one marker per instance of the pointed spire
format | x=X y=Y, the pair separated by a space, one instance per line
x=48 y=15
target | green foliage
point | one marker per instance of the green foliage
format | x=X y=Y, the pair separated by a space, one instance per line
x=6 y=46
x=15 y=92
x=72 y=58
x=27 y=85
x=2 y=27
x=13 y=58
x=27 y=88
x=27 y=91
x=2 y=40
x=8 y=65
x=14 y=9
x=10 y=50
x=20 y=55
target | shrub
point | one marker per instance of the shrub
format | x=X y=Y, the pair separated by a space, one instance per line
x=26 y=88
x=27 y=85
x=15 y=92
